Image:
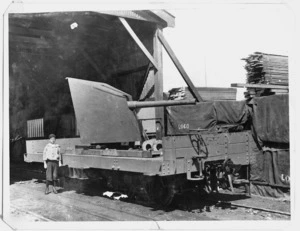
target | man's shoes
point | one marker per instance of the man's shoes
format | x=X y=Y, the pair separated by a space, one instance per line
x=54 y=190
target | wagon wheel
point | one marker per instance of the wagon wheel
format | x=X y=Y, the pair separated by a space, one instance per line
x=132 y=192
x=161 y=192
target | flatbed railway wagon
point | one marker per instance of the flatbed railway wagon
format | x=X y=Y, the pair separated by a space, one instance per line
x=194 y=144
x=113 y=145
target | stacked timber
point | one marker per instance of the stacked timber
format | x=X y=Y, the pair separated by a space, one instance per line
x=177 y=93
x=206 y=93
x=266 y=70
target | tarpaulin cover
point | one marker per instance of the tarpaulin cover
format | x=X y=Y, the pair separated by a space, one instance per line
x=270 y=191
x=270 y=118
x=272 y=167
x=183 y=119
x=231 y=112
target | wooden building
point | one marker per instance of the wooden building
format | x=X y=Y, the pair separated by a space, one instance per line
x=120 y=48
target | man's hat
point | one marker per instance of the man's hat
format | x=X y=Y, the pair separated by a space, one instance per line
x=52 y=135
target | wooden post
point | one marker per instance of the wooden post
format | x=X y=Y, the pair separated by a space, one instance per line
x=158 y=84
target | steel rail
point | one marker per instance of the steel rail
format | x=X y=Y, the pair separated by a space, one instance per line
x=251 y=207
x=31 y=213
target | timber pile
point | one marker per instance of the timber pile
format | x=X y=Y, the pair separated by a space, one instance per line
x=206 y=93
x=266 y=70
x=177 y=93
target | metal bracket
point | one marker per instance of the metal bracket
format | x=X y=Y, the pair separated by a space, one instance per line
x=189 y=164
x=165 y=168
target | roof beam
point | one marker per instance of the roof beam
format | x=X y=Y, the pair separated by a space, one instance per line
x=179 y=67
x=138 y=41
x=165 y=16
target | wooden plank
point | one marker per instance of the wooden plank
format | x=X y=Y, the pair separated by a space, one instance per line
x=279 y=90
x=179 y=67
x=138 y=41
x=148 y=84
x=207 y=93
x=158 y=86
x=262 y=86
x=267 y=69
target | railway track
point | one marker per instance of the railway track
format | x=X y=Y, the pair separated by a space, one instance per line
x=85 y=206
x=41 y=218
x=72 y=208
x=75 y=204
x=230 y=204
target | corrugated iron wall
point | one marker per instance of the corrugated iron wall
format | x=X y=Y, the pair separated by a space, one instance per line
x=62 y=126
x=35 y=128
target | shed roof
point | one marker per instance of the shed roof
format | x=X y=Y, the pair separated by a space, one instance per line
x=160 y=17
x=49 y=30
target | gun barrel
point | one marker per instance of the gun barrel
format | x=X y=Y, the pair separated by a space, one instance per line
x=160 y=103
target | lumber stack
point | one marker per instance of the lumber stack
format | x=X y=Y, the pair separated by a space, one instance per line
x=267 y=69
x=206 y=93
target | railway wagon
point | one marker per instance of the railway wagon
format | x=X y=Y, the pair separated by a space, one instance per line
x=192 y=143
x=114 y=146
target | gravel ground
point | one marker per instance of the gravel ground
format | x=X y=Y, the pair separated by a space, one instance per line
x=82 y=200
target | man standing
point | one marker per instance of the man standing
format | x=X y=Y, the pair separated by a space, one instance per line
x=52 y=160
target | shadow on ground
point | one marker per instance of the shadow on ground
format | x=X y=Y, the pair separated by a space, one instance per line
x=203 y=202
x=191 y=201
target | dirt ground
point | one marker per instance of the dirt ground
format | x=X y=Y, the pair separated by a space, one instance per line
x=83 y=200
